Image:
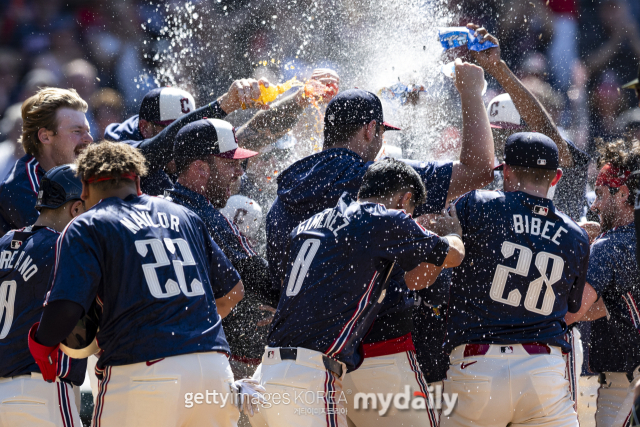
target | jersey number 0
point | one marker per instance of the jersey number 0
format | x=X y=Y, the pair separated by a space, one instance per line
x=522 y=269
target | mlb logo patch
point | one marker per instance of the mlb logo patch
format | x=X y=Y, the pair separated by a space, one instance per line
x=271 y=354
x=542 y=162
x=15 y=244
x=506 y=349
x=540 y=210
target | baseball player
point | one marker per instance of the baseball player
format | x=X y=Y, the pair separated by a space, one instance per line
x=353 y=128
x=27 y=256
x=208 y=161
x=162 y=285
x=612 y=282
x=54 y=131
x=525 y=267
x=337 y=269
x=163 y=112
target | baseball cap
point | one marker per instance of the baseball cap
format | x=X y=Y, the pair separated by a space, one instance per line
x=503 y=113
x=59 y=186
x=206 y=137
x=355 y=106
x=633 y=84
x=530 y=149
x=163 y=105
x=245 y=213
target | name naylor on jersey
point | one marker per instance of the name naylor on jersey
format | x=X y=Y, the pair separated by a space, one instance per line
x=533 y=226
x=331 y=219
x=24 y=264
x=140 y=220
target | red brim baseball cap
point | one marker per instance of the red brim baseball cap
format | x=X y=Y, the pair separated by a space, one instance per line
x=387 y=126
x=237 y=153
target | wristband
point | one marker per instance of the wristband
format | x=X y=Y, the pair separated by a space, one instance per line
x=46 y=357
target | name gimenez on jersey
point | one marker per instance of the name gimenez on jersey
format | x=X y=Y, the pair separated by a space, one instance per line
x=23 y=264
x=534 y=227
x=143 y=219
x=329 y=219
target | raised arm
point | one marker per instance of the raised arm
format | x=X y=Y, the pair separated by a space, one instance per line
x=475 y=169
x=267 y=126
x=530 y=109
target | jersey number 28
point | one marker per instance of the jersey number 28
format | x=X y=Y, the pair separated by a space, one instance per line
x=171 y=287
x=522 y=269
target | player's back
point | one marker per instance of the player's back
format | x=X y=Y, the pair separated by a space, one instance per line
x=337 y=263
x=27 y=257
x=149 y=260
x=525 y=265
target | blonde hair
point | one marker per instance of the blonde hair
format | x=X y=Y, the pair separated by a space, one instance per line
x=39 y=111
x=110 y=160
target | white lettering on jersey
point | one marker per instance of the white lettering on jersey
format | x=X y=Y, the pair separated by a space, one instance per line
x=521 y=225
x=143 y=220
x=326 y=219
x=26 y=269
x=4 y=259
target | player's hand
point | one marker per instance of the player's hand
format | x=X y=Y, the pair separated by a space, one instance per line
x=592 y=228
x=46 y=357
x=243 y=92
x=324 y=84
x=489 y=58
x=248 y=395
x=445 y=223
x=469 y=79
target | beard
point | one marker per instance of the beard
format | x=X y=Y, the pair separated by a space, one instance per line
x=606 y=222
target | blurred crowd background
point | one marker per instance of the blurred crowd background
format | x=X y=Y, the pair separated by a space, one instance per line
x=573 y=54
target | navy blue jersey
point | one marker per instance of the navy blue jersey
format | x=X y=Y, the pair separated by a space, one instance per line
x=128 y=132
x=613 y=273
x=315 y=183
x=525 y=266
x=155 y=272
x=336 y=268
x=19 y=194
x=234 y=245
x=27 y=257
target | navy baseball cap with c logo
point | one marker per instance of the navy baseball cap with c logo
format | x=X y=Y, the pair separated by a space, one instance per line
x=355 y=106
x=532 y=150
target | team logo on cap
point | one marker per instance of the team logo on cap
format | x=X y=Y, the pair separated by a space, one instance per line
x=542 y=162
x=540 y=210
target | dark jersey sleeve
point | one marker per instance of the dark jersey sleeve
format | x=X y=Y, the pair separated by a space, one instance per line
x=601 y=269
x=222 y=275
x=575 y=294
x=464 y=212
x=636 y=221
x=159 y=150
x=436 y=177
x=77 y=271
x=408 y=243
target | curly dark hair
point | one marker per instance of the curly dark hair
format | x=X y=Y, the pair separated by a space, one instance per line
x=110 y=159
x=624 y=154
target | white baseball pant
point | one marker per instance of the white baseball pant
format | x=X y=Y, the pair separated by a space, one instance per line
x=389 y=375
x=509 y=386
x=185 y=390
x=301 y=392
x=615 y=399
x=28 y=400
x=573 y=361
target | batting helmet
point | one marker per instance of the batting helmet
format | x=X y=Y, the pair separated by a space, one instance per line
x=81 y=342
x=59 y=186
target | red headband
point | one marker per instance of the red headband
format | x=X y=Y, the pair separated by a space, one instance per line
x=129 y=175
x=612 y=177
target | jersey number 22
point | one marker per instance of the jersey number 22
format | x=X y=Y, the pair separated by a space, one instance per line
x=522 y=269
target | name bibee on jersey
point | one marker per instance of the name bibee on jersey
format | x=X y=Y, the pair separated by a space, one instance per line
x=337 y=266
x=525 y=266
x=155 y=272
x=27 y=257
